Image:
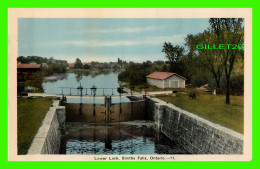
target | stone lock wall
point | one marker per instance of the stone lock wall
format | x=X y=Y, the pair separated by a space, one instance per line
x=195 y=134
x=47 y=139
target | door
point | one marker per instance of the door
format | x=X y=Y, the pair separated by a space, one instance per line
x=174 y=84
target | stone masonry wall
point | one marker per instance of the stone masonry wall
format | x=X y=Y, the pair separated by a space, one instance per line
x=47 y=139
x=194 y=133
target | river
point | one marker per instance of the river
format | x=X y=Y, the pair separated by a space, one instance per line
x=70 y=81
x=108 y=80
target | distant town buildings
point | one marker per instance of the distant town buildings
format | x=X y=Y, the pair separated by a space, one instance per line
x=97 y=65
x=71 y=66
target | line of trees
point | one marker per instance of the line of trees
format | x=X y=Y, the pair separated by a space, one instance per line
x=49 y=65
x=135 y=73
x=199 y=65
x=98 y=65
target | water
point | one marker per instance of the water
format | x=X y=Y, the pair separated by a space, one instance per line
x=72 y=80
x=117 y=139
x=114 y=138
x=97 y=100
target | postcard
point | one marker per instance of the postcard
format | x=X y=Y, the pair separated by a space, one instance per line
x=132 y=84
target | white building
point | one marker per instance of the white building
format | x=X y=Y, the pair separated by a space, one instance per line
x=166 y=80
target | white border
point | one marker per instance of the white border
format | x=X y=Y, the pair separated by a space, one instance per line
x=15 y=13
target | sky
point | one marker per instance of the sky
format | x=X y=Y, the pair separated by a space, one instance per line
x=103 y=39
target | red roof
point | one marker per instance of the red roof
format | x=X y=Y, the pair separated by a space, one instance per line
x=29 y=66
x=163 y=75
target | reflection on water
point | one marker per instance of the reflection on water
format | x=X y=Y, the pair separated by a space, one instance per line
x=117 y=139
x=97 y=100
x=56 y=77
x=108 y=79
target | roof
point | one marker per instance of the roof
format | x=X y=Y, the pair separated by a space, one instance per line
x=29 y=66
x=163 y=75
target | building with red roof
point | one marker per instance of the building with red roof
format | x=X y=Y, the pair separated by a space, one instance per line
x=166 y=80
x=24 y=71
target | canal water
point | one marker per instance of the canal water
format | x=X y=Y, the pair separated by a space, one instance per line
x=127 y=138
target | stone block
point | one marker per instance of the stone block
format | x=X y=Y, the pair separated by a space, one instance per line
x=47 y=139
x=37 y=145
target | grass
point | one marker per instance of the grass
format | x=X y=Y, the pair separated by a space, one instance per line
x=31 y=112
x=150 y=88
x=212 y=108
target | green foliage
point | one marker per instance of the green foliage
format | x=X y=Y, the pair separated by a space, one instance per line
x=119 y=61
x=86 y=66
x=237 y=84
x=210 y=60
x=203 y=66
x=78 y=64
x=54 y=67
x=49 y=66
x=135 y=73
x=36 y=81
x=36 y=59
x=228 y=31
x=174 y=54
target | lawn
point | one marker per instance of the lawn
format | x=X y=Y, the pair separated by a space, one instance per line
x=212 y=108
x=149 y=88
x=31 y=112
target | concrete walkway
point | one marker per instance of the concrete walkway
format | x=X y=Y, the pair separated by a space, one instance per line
x=138 y=94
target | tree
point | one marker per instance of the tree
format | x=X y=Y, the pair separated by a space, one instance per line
x=135 y=73
x=86 y=66
x=119 y=61
x=174 y=54
x=78 y=64
x=22 y=59
x=228 y=31
x=49 y=66
x=211 y=59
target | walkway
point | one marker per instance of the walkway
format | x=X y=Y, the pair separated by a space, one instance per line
x=137 y=94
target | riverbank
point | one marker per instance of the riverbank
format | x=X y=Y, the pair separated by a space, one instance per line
x=93 y=70
x=31 y=112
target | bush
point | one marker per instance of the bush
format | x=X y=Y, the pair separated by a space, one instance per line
x=237 y=85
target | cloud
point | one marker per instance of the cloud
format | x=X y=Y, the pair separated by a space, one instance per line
x=175 y=39
x=122 y=30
